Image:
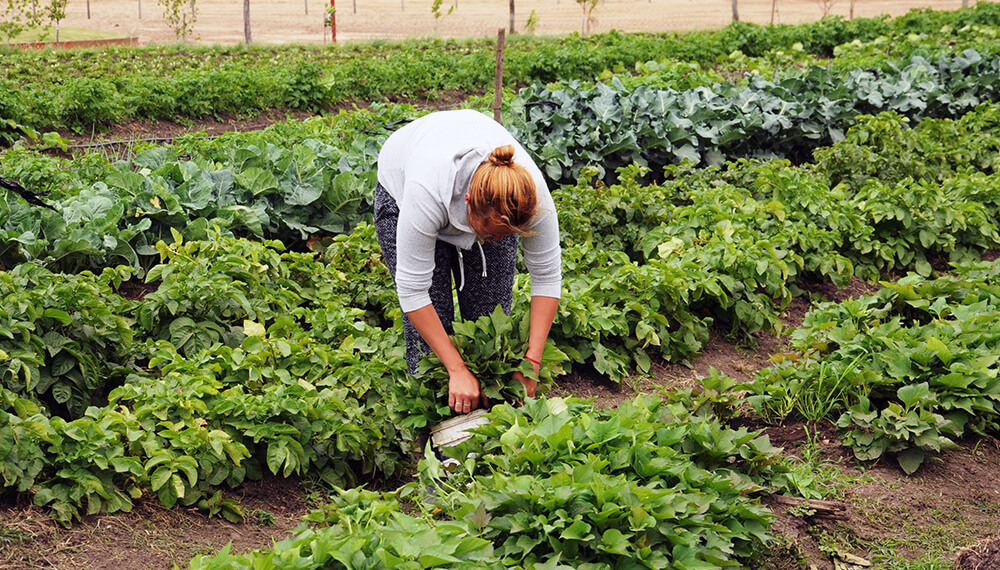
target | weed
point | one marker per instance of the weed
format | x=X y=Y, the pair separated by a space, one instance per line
x=261 y=517
x=9 y=536
x=812 y=472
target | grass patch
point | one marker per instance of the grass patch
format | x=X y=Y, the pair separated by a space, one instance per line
x=65 y=35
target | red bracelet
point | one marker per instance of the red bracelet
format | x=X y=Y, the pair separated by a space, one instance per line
x=532 y=360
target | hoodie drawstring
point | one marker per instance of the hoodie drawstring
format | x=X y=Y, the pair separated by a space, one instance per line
x=461 y=265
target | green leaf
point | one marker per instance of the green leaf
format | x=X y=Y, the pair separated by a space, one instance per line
x=579 y=530
x=615 y=542
x=7 y=441
x=940 y=349
x=258 y=181
x=59 y=315
x=277 y=453
x=160 y=477
x=251 y=328
x=923 y=268
x=62 y=391
x=913 y=394
x=910 y=459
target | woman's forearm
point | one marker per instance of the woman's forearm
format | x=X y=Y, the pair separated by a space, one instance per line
x=428 y=324
x=543 y=312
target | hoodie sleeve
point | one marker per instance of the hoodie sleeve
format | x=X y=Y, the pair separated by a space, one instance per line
x=542 y=252
x=420 y=218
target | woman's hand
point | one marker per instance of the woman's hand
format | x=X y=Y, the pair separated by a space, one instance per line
x=529 y=384
x=464 y=394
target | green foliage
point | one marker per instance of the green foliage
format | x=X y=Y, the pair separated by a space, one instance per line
x=553 y=484
x=208 y=289
x=493 y=349
x=616 y=314
x=64 y=339
x=647 y=483
x=250 y=359
x=788 y=116
x=18 y=16
x=363 y=529
x=907 y=370
x=160 y=82
x=355 y=275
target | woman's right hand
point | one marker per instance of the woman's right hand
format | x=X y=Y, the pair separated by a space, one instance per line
x=463 y=392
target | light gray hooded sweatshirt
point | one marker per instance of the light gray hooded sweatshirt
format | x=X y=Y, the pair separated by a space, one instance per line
x=427 y=167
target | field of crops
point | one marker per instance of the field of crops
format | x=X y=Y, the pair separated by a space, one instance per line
x=182 y=318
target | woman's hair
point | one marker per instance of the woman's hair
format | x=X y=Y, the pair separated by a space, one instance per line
x=503 y=192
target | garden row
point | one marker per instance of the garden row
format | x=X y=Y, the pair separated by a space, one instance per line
x=659 y=483
x=83 y=90
x=558 y=484
x=301 y=179
x=246 y=358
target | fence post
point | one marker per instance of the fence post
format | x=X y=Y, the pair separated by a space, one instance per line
x=498 y=83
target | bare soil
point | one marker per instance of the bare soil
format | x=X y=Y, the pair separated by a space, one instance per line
x=301 y=21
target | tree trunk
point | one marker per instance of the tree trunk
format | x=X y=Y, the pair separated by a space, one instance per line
x=774 y=10
x=140 y=9
x=965 y=3
x=511 y=16
x=850 y=15
x=736 y=11
x=246 y=21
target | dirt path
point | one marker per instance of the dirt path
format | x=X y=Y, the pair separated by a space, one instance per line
x=301 y=21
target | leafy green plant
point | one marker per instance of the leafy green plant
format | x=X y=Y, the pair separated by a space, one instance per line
x=908 y=429
x=557 y=480
x=571 y=127
x=209 y=288
x=493 y=348
x=64 y=340
x=907 y=371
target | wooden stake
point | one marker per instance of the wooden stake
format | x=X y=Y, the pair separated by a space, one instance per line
x=823 y=509
x=498 y=83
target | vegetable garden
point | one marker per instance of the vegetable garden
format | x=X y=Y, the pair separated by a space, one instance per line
x=185 y=317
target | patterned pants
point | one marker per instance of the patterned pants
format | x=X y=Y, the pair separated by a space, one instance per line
x=478 y=297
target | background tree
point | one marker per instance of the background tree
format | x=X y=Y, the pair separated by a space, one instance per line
x=825 y=6
x=180 y=17
x=436 y=8
x=736 y=11
x=55 y=12
x=588 y=13
x=17 y=16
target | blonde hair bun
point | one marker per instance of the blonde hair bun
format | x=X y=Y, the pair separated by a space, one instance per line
x=502 y=156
